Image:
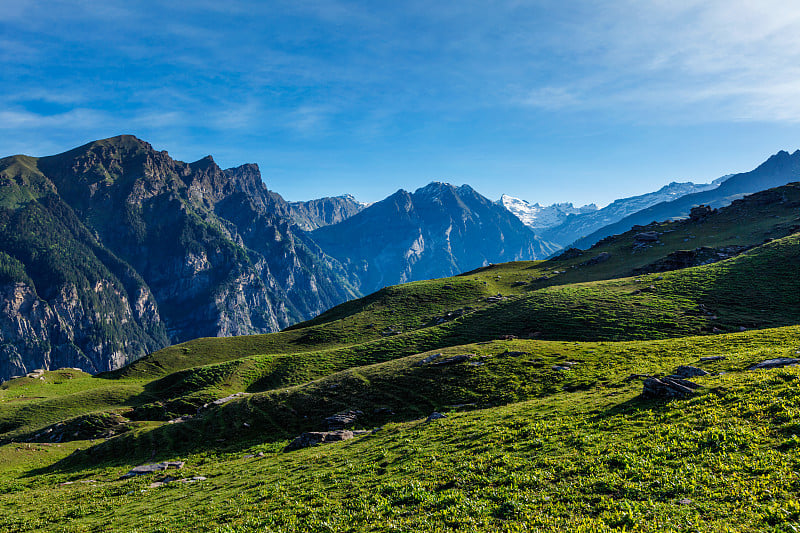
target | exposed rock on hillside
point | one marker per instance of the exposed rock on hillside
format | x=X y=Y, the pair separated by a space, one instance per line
x=668 y=388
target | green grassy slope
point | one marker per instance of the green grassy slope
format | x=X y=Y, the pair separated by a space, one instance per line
x=594 y=459
x=769 y=214
x=497 y=373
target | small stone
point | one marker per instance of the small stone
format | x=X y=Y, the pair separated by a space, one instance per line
x=712 y=358
x=685 y=501
x=435 y=416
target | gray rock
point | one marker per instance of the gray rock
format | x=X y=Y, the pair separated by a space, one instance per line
x=429 y=359
x=602 y=257
x=435 y=416
x=712 y=358
x=152 y=468
x=455 y=359
x=343 y=419
x=667 y=388
x=226 y=399
x=775 y=363
x=686 y=371
x=314 y=438
x=645 y=236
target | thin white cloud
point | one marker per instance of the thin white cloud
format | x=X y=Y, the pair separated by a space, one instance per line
x=710 y=60
x=75 y=119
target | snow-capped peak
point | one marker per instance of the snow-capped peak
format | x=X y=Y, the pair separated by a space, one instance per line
x=539 y=217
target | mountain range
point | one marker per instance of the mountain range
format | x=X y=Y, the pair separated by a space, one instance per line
x=778 y=170
x=539 y=217
x=313 y=214
x=113 y=249
x=562 y=224
x=437 y=230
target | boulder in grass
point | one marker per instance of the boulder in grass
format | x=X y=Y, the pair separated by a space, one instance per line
x=435 y=416
x=645 y=237
x=668 y=388
x=343 y=419
x=778 y=362
x=454 y=359
x=142 y=470
x=429 y=359
x=314 y=438
x=686 y=371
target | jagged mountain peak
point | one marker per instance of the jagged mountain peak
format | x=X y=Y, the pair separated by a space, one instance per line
x=434 y=188
x=205 y=162
x=112 y=147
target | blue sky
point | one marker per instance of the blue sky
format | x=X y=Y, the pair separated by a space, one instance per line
x=545 y=100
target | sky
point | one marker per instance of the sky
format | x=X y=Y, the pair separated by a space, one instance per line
x=549 y=101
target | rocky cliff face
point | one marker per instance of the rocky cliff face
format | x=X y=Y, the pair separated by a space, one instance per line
x=439 y=230
x=66 y=332
x=113 y=249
